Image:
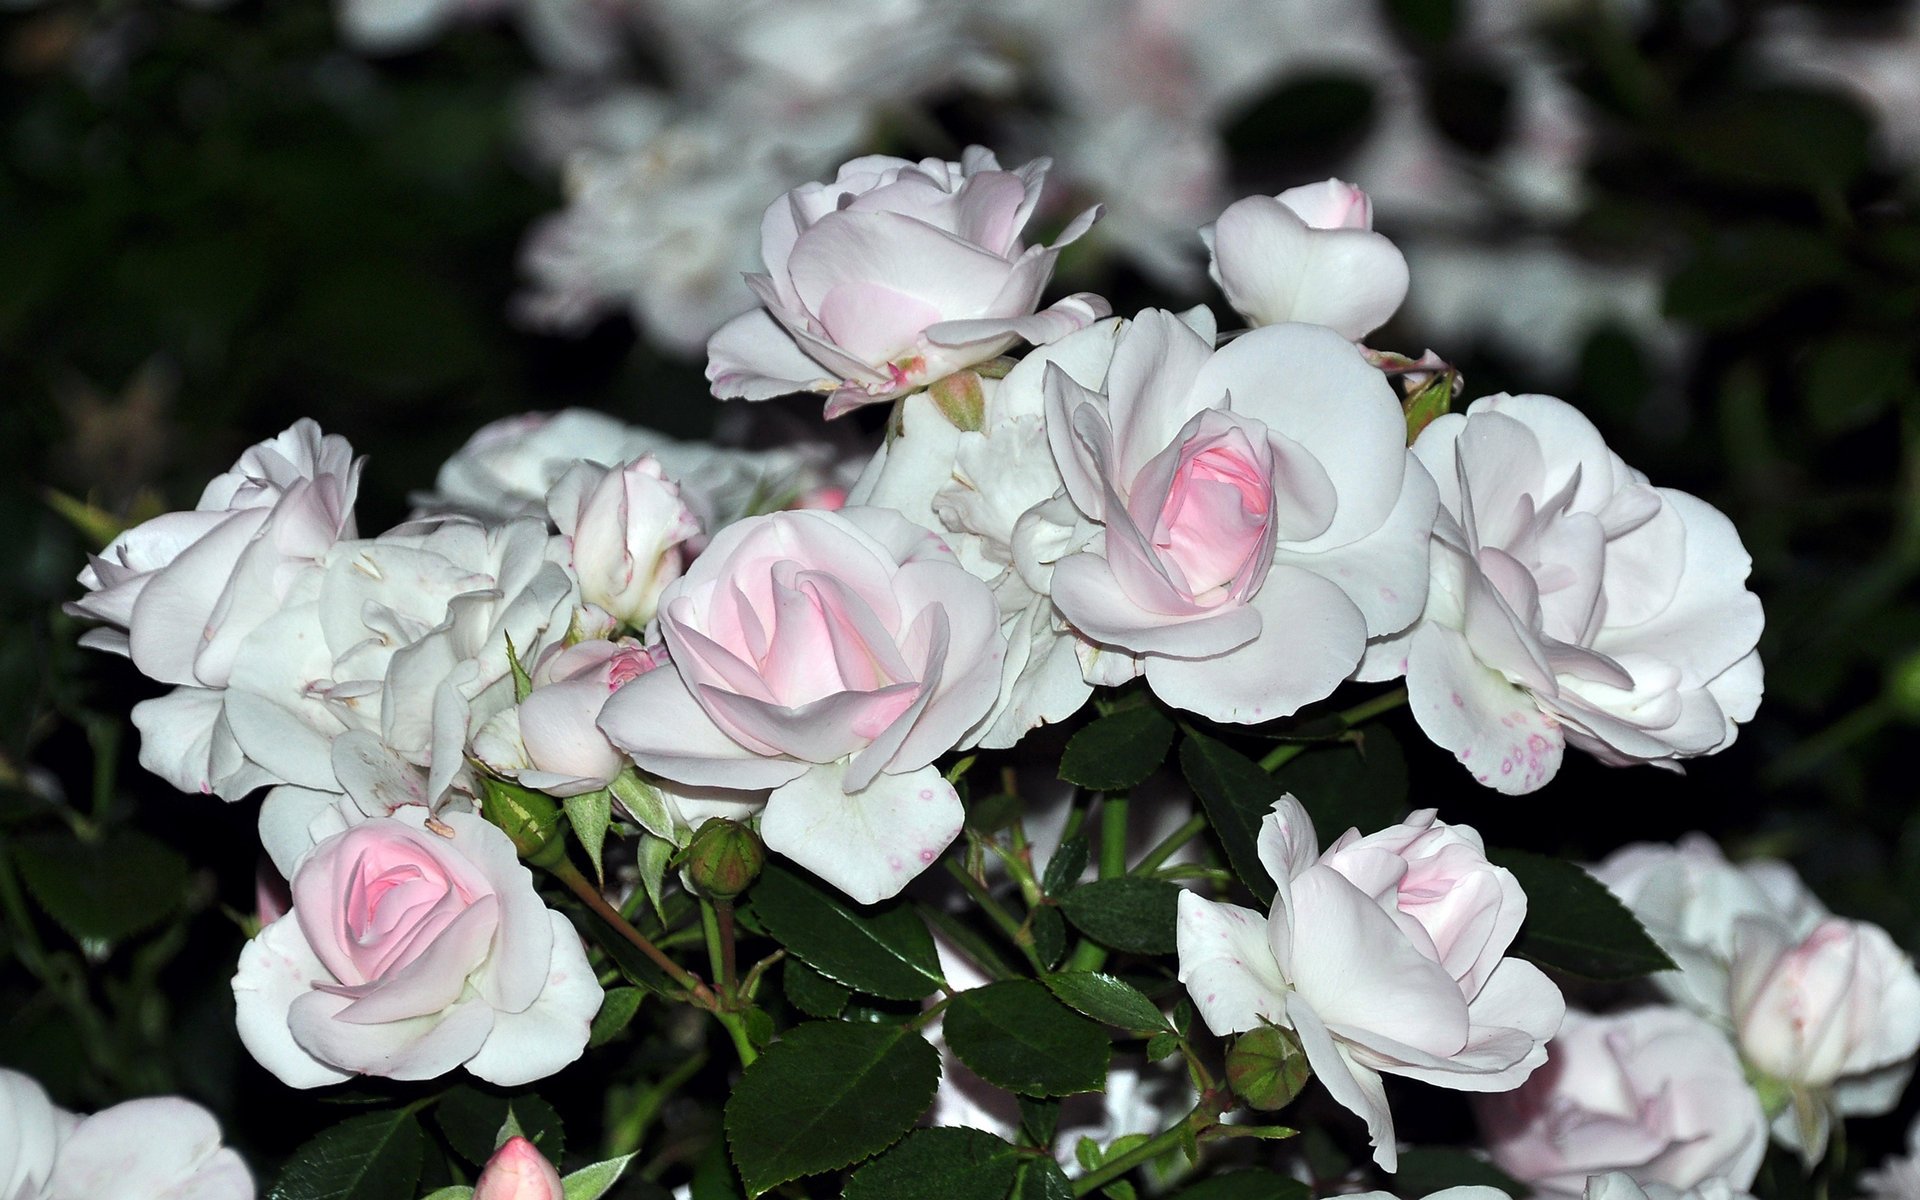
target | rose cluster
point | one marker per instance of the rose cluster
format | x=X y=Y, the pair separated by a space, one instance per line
x=588 y=629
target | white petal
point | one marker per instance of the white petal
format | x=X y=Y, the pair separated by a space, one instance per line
x=1228 y=967
x=868 y=844
x=276 y=968
x=753 y=358
x=552 y=1032
x=1494 y=728
x=1354 y=1087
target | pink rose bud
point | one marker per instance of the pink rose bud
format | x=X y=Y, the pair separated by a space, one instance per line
x=1843 y=1001
x=518 y=1171
x=624 y=528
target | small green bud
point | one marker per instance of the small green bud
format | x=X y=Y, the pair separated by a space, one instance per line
x=531 y=819
x=1267 y=1068
x=724 y=859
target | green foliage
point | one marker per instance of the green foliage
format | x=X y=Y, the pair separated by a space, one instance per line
x=1118 y=750
x=1016 y=1036
x=939 y=1164
x=1237 y=794
x=1064 y=869
x=375 y=1156
x=589 y=814
x=106 y=888
x=595 y=1180
x=616 y=1013
x=826 y=1095
x=811 y=992
x=472 y=1119
x=887 y=952
x=1127 y=914
x=1108 y=1000
x=1359 y=785
x=1574 y=924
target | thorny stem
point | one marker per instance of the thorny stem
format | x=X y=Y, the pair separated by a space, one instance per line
x=1185 y=1133
x=590 y=895
x=723 y=909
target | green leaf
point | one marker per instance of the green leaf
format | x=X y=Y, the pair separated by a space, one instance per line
x=637 y=967
x=939 y=1164
x=1574 y=924
x=616 y=1012
x=811 y=992
x=1236 y=794
x=590 y=813
x=1039 y=1118
x=1108 y=1000
x=593 y=1182
x=1042 y=1179
x=1350 y=786
x=1255 y=1183
x=375 y=1156
x=1852 y=379
x=1017 y=1036
x=472 y=1119
x=652 y=855
x=1435 y=1168
x=1118 y=750
x=103 y=890
x=522 y=682
x=456 y=1192
x=1064 y=869
x=827 y=1094
x=1049 y=934
x=886 y=952
x=1127 y=914
x=643 y=803
x=990 y=814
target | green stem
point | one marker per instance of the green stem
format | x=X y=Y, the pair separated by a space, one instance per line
x=1173 y=841
x=1170 y=1139
x=736 y=1026
x=590 y=895
x=1016 y=934
x=1366 y=710
x=710 y=929
x=723 y=909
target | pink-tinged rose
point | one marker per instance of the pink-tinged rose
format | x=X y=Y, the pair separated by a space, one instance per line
x=1469 y=1191
x=893 y=276
x=830 y=657
x=1385 y=954
x=1657 y=1093
x=412 y=949
x=551 y=740
x=179 y=594
x=1571 y=602
x=518 y=1171
x=624 y=529
x=31 y=1130
x=1308 y=254
x=1250 y=515
x=1693 y=901
x=157 y=1148
x=1841 y=1002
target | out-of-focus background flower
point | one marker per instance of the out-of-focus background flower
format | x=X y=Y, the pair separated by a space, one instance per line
x=1695 y=219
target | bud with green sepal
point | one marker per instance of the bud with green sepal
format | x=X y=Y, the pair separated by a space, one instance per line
x=531 y=819
x=724 y=859
x=1267 y=1067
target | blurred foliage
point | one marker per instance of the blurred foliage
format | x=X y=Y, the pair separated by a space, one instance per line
x=212 y=222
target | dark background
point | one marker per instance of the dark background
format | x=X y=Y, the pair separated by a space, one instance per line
x=214 y=222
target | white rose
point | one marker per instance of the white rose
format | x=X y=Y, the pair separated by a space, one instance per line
x=624 y=529
x=1571 y=601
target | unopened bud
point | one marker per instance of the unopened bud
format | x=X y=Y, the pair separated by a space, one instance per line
x=518 y=1171
x=531 y=819
x=961 y=400
x=724 y=859
x=1267 y=1068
